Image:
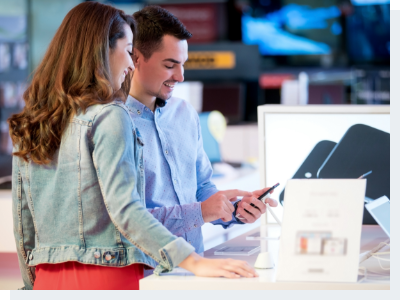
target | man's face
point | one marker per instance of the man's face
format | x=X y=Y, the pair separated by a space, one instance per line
x=159 y=74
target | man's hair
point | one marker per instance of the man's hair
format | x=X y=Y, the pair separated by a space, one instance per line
x=153 y=22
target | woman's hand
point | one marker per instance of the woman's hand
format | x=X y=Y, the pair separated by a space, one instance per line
x=229 y=268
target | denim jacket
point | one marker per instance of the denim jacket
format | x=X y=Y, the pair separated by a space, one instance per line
x=88 y=204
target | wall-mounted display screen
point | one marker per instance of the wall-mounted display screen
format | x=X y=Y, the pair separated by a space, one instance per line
x=330 y=32
x=294 y=30
x=368 y=33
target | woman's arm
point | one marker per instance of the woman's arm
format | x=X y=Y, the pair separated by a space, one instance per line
x=118 y=171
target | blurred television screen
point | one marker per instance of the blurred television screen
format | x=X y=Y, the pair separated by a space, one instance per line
x=296 y=28
x=369 y=2
x=368 y=32
x=329 y=32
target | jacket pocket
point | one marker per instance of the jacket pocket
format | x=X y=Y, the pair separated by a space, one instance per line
x=111 y=257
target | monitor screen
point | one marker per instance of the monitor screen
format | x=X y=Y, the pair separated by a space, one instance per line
x=369 y=2
x=300 y=142
x=296 y=28
x=308 y=32
x=368 y=33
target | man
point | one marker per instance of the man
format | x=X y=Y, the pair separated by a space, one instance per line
x=179 y=191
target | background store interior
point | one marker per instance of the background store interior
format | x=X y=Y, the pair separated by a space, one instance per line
x=244 y=53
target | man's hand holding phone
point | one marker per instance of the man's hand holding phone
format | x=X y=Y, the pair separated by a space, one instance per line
x=219 y=205
x=250 y=208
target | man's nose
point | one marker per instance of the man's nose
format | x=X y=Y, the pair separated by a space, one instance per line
x=178 y=76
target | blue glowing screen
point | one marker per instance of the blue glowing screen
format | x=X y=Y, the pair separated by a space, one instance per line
x=274 y=35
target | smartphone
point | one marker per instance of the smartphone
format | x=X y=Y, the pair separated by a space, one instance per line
x=262 y=198
x=312 y=163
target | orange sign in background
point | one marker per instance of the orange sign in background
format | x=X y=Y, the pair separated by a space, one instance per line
x=205 y=60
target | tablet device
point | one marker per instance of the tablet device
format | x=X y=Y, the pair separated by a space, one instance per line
x=361 y=149
x=380 y=211
x=257 y=237
x=240 y=250
x=312 y=163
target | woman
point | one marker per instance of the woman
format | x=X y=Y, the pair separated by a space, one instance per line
x=78 y=183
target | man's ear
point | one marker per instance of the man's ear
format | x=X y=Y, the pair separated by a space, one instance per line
x=137 y=57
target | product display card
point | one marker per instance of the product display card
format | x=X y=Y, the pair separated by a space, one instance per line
x=321 y=230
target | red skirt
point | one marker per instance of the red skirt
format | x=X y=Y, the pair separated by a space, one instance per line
x=76 y=276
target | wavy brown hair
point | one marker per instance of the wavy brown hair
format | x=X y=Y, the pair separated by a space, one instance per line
x=73 y=75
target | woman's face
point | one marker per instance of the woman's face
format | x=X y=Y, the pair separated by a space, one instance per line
x=120 y=59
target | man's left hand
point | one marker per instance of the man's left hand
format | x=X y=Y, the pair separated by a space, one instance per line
x=253 y=212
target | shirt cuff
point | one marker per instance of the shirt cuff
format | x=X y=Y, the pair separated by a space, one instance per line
x=192 y=216
x=173 y=254
x=235 y=220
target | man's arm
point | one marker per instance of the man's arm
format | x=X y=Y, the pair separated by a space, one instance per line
x=179 y=219
x=207 y=192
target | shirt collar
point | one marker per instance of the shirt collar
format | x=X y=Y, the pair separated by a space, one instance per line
x=135 y=105
x=138 y=108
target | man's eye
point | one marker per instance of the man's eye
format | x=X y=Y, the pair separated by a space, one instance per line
x=169 y=67
x=130 y=53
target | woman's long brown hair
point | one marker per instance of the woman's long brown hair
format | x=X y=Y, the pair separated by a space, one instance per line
x=73 y=75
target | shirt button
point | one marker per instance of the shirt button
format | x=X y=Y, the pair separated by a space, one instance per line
x=138 y=112
x=31 y=256
x=166 y=151
x=108 y=257
x=97 y=254
x=195 y=225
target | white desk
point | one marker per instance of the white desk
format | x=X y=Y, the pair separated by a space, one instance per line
x=7 y=242
x=372 y=235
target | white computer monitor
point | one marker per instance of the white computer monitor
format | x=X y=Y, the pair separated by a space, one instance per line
x=287 y=135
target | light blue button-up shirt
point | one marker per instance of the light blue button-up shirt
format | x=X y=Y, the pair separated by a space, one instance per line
x=177 y=170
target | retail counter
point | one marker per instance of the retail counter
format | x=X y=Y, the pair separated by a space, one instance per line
x=180 y=279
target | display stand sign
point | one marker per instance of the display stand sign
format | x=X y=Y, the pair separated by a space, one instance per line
x=321 y=230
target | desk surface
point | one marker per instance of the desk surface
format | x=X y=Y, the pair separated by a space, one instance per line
x=180 y=279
